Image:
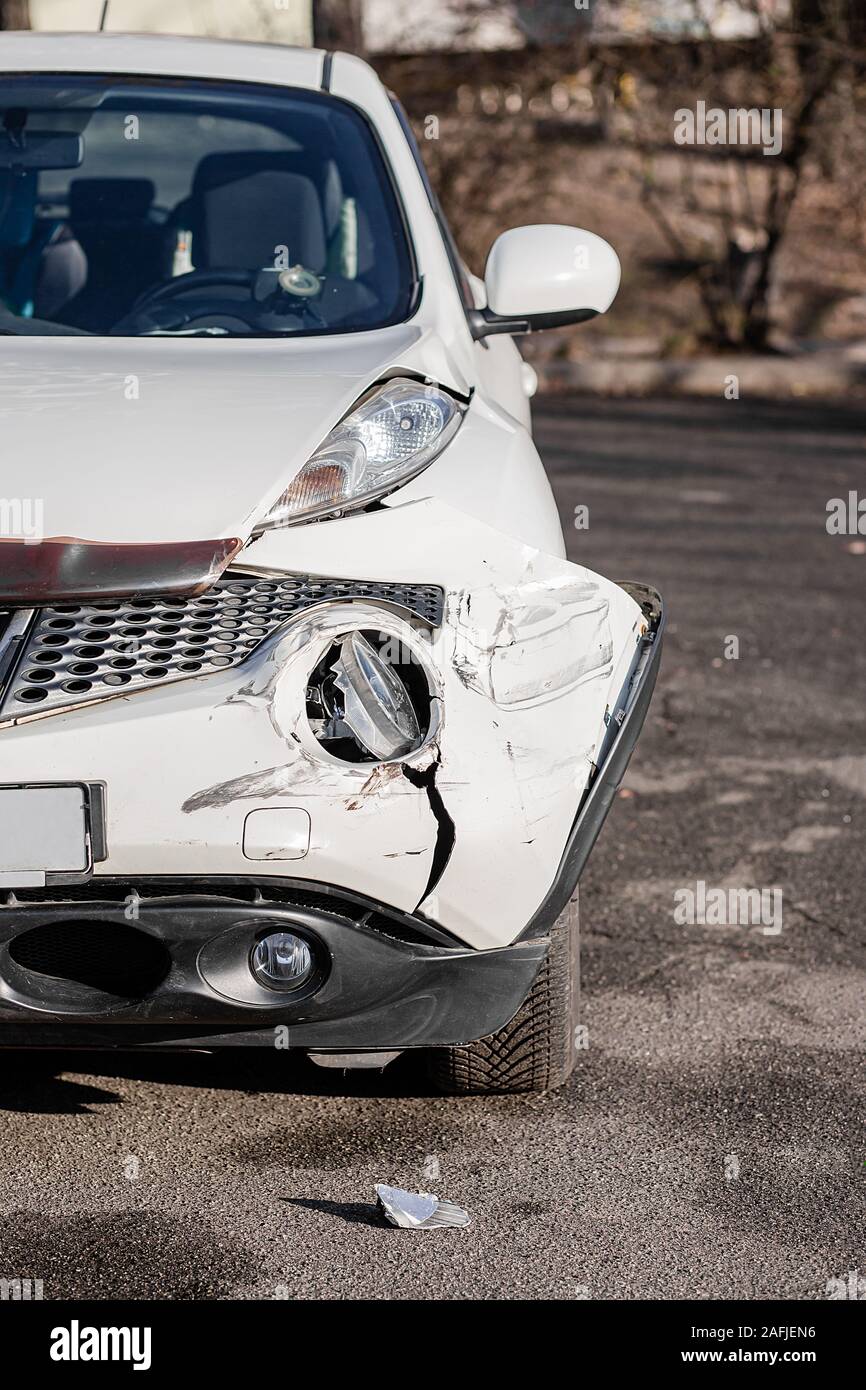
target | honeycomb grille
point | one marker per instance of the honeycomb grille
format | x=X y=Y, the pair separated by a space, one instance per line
x=77 y=653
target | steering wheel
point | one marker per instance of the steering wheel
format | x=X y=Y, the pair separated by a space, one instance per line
x=158 y=308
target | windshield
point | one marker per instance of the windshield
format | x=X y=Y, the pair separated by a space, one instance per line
x=134 y=206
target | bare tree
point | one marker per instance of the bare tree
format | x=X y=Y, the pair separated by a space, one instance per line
x=338 y=24
x=14 y=14
x=796 y=67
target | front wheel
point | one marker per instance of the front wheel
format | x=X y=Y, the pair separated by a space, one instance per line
x=536 y=1050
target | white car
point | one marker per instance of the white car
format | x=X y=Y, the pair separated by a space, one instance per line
x=307 y=725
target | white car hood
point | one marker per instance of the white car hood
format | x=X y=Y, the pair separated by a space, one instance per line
x=155 y=440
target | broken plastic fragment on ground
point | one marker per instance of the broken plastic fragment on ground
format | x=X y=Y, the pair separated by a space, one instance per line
x=419 y=1211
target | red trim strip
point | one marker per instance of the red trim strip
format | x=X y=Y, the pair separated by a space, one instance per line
x=63 y=570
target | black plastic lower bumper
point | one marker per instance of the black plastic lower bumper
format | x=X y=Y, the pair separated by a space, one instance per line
x=174 y=971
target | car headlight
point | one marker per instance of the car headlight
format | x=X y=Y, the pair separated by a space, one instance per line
x=381 y=444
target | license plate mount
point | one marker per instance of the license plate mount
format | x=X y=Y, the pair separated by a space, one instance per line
x=45 y=834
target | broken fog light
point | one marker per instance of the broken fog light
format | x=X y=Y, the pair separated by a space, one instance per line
x=281 y=960
x=364 y=708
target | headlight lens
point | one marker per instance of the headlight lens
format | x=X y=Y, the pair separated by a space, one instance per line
x=383 y=442
x=377 y=708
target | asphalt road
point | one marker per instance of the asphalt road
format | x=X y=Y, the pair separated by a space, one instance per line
x=710 y=1144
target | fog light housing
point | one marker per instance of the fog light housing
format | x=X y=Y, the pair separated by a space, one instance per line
x=377 y=706
x=364 y=705
x=281 y=960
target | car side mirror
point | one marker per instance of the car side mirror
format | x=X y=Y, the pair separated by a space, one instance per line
x=544 y=276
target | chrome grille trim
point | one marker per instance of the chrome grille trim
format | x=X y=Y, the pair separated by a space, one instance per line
x=77 y=653
x=13 y=627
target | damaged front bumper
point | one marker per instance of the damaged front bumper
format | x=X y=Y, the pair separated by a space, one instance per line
x=537 y=674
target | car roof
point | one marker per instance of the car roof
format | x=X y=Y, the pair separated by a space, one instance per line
x=162 y=54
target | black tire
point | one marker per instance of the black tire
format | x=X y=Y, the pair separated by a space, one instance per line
x=536 y=1051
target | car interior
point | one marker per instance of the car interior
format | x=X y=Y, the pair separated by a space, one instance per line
x=106 y=253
